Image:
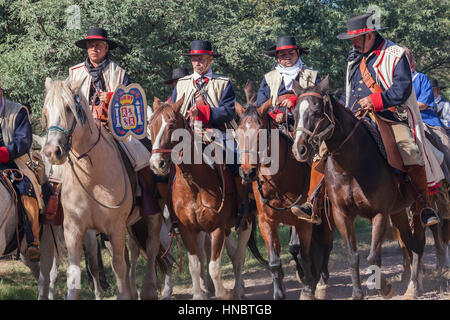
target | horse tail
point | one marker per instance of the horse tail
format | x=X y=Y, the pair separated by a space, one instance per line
x=139 y=233
x=253 y=247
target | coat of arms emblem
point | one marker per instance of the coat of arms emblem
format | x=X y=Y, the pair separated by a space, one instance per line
x=127 y=114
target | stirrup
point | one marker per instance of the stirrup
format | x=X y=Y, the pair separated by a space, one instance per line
x=431 y=220
x=302 y=215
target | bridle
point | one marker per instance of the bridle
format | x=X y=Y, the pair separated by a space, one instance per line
x=265 y=200
x=191 y=181
x=315 y=137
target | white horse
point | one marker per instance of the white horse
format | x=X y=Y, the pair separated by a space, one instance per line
x=96 y=190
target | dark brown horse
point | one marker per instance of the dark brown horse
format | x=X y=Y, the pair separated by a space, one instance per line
x=198 y=198
x=275 y=191
x=358 y=181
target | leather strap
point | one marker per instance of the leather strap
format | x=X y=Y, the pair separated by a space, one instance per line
x=369 y=81
x=367 y=77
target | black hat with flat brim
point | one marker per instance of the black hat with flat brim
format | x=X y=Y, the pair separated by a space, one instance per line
x=285 y=43
x=359 y=25
x=96 y=34
x=435 y=84
x=177 y=74
x=201 y=47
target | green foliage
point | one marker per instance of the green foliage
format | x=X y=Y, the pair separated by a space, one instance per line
x=35 y=41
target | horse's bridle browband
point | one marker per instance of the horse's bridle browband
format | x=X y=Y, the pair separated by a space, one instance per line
x=317 y=137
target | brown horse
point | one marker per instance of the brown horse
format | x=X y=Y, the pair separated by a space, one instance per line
x=358 y=181
x=275 y=193
x=198 y=199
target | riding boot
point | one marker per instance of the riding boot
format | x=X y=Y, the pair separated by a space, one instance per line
x=418 y=177
x=305 y=210
x=149 y=205
x=31 y=207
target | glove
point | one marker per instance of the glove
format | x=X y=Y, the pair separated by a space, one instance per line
x=4 y=155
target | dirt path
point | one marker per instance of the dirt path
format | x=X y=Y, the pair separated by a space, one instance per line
x=258 y=282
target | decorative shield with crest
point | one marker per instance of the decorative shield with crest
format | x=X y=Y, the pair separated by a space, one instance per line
x=127 y=114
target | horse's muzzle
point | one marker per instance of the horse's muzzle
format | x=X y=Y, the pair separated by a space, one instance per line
x=301 y=152
x=54 y=154
x=248 y=176
x=159 y=165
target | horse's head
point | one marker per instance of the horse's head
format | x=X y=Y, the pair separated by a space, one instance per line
x=60 y=114
x=313 y=119
x=165 y=119
x=252 y=120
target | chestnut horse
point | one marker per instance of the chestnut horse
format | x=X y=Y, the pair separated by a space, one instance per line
x=275 y=192
x=198 y=200
x=358 y=180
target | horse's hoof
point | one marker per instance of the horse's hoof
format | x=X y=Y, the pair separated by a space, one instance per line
x=412 y=293
x=279 y=295
x=388 y=291
x=298 y=277
x=166 y=296
x=357 y=295
x=227 y=295
x=321 y=291
x=306 y=296
x=199 y=297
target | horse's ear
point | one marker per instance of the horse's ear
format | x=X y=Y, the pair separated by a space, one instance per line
x=324 y=85
x=262 y=111
x=39 y=140
x=298 y=90
x=75 y=86
x=48 y=83
x=239 y=109
x=250 y=92
x=177 y=105
x=156 y=103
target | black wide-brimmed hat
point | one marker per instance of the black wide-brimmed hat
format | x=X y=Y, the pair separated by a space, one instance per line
x=435 y=84
x=177 y=74
x=359 y=25
x=96 y=34
x=285 y=43
x=200 y=47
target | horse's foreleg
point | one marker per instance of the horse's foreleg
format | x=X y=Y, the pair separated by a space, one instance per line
x=91 y=244
x=238 y=259
x=165 y=241
x=149 y=286
x=119 y=264
x=45 y=263
x=269 y=233
x=346 y=228
x=74 y=243
x=439 y=246
x=190 y=241
x=204 y=254
x=415 y=286
x=134 y=252
x=304 y=257
x=404 y=235
x=379 y=223
x=215 y=265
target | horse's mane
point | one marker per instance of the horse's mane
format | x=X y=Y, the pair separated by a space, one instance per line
x=60 y=95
